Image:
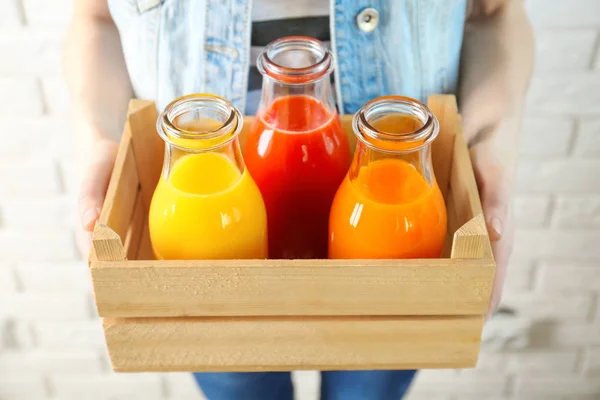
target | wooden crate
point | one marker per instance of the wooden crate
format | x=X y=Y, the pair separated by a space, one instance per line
x=267 y=315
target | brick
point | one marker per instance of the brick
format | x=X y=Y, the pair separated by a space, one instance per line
x=558 y=335
x=539 y=243
x=543 y=361
x=70 y=175
x=577 y=211
x=53 y=335
x=48 y=307
x=307 y=384
x=573 y=13
x=468 y=382
x=592 y=361
x=182 y=386
x=416 y=395
x=29 y=245
x=10 y=17
x=558 y=176
x=565 y=94
x=43 y=13
x=33 y=52
x=8 y=281
x=25 y=386
x=56 y=94
x=41 y=136
x=563 y=307
x=531 y=211
x=520 y=275
x=491 y=361
x=561 y=49
x=588 y=138
x=46 y=362
x=54 y=277
x=29 y=177
x=545 y=136
x=113 y=386
x=53 y=212
x=15 y=334
x=20 y=96
x=557 y=385
x=569 y=277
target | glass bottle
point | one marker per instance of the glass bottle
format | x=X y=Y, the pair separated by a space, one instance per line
x=297 y=150
x=389 y=205
x=206 y=205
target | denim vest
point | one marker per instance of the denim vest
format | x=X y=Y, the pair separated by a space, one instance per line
x=176 y=47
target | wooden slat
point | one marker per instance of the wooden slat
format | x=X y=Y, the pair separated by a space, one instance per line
x=471 y=240
x=148 y=147
x=145 y=251
x=284 y=344
x=107 y=244
x=445 y=109
x=291 y=287
x=462 y=180
x=122 y=190
x=134 y=233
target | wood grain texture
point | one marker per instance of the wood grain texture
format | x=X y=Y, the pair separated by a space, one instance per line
x=292 y=343
x=445 y=109
x=148 y=146
x=120 y=197
x=107 y=244
x=134 y=232
x=467 y=204
x=145 y=251
x=471 y=240
x=291 y=287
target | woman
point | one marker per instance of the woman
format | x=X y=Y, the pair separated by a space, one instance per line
x=161 y=49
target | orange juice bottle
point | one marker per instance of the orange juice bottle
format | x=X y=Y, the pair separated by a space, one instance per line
x=206 y=205
x=389 y=204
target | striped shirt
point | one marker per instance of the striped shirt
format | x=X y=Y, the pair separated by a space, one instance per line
x=274 y=19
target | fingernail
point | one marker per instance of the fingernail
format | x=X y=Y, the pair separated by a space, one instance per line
x=89 y=217
x=496 y=226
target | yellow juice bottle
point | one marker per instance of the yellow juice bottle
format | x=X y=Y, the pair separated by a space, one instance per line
x=206 y=205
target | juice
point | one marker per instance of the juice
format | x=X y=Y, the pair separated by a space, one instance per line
x=207 y=209
x=385 y=208
x=298 y=154
x=388 y=211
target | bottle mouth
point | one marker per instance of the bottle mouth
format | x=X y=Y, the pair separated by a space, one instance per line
x=295 y=60
x=372 y=129
x=199 y=122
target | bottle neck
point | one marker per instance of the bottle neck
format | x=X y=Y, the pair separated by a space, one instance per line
x=394 y=137
x=200 y=124
x=296 y=67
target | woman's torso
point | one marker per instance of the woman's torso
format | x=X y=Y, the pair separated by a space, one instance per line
x=175 y=47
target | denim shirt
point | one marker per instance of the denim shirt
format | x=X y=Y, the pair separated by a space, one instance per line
x=177 y=47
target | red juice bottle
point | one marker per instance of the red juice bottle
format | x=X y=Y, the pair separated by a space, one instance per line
x=296 y=150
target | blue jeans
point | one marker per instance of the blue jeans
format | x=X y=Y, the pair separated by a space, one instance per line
x=335 y=385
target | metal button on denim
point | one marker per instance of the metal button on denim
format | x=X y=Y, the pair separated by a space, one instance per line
x=367 y=20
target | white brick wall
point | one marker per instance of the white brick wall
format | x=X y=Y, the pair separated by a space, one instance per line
x=51 y=343
x=588 y=140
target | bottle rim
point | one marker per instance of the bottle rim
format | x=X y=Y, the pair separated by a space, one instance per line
x=323 y=65
x=169 y=131
x=387 y=105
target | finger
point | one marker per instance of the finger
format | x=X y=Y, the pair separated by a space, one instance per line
x=494 y=190
x=94 y=184
x=502 y=250
x=83 y=240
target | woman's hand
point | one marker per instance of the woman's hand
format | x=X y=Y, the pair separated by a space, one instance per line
x=94 y=183
x=495 y=187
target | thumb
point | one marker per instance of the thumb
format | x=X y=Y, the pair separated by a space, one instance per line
x=95 y=182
